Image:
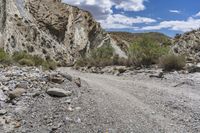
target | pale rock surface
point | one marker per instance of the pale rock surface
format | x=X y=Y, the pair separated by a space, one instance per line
x=188 y=44
x=50 y=29
x=58 y=92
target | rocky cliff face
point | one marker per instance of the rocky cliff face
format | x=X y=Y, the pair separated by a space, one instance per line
x=188 y=44
x=49 y=28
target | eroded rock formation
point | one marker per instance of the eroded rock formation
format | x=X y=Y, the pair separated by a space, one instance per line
x=49 y=28
x=188 y=44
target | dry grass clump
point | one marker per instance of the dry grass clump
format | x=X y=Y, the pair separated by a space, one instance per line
x=172 y=62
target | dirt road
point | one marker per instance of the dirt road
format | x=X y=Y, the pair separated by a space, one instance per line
x=139 y=104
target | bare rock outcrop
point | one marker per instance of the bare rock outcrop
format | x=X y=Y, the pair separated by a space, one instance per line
x=188 y=44
x=49 y=28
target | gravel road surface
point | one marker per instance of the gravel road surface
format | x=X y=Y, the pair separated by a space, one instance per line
x=139 y=104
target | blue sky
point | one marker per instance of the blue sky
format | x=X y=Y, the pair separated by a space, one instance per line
x=167 y=16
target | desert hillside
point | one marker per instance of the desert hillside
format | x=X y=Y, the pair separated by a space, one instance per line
x=124 y=39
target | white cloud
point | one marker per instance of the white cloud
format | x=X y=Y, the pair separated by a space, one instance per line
x=130 y=5
x=119 y=21
x=102 y=11
x=103 y=8
x=198 y=14
x=183 y=26
x=99 y=8
x=175 y=11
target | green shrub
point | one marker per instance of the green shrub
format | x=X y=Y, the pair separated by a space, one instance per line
x=24 y=58
x=3 y=55
x=38 y=61
x=116 y=59
x=104 y=52
x=146 y=53
x=17 y=56
x=172 y=62
x=26 y=62
x=5 y=58
x=81 y=62
x=99 y=57
x=121 y=70
x=49 y=64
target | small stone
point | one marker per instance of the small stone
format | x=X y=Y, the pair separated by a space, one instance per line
x=16 y=93
x=78 y=120
x=5 y=88
x=8 y=120
x=2 y=96
x=70 y=109
x=36 y=94
x=67 y=76
x=68 y=101
x=17 y=125
x=67 y=119
x=56 y=79
x=78 y=108
x=57 y=92
x=194 y=69
x=3 y=112
x=56 y=127
x=77 y=81
x=23 y=85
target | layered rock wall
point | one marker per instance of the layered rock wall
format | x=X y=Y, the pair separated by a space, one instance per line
x=49 y=28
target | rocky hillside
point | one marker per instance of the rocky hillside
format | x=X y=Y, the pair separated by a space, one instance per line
x=124 y=39
x=49 y=28
x=189 y=45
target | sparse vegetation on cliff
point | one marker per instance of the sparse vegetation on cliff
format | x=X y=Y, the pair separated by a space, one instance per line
x=25 y=59
x=146 y=52
x=143 y=53
x=4 y=57
x=99 y=57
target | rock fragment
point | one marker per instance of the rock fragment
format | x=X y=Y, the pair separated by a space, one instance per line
x=56 y=78
x=57 y=92
x=2 y=112
x=2 y=96
x=77 y=81
x=67 y=76
x=16 y=93
x=194 y=68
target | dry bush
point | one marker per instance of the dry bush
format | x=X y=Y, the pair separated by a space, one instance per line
x=172 y=62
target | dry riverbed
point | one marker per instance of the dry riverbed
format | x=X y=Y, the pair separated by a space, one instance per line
x=33 y=101
x=139 y=102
